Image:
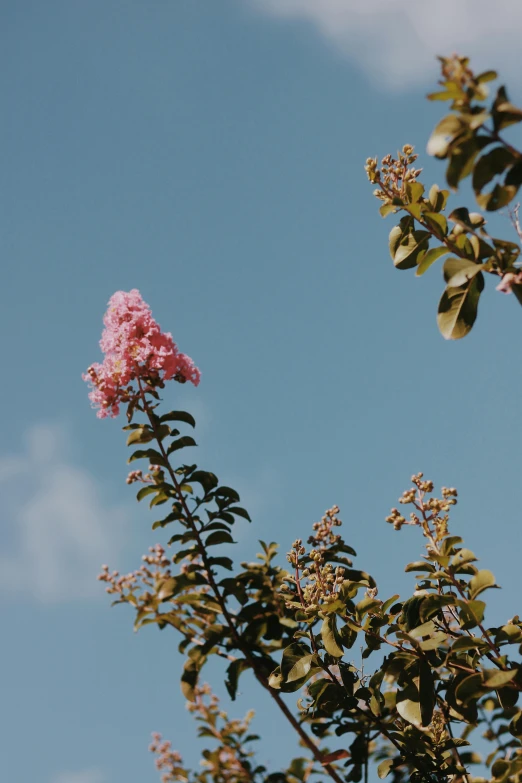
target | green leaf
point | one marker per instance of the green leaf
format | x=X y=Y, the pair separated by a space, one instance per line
x=462 y=556
x=167 y=589
x=240 y=512
x=140 y=435
x=496 y=678
x=154 y=457
x=459 y=271
x=444 y=135
x=500 y=770
x=514 y=175
x=427 y=697
x=442 y=95
x=384 y=768
x=219 y=537
x=499 y=197
x=398 y=232
x=227 y=492
x=296 y=666
x=207 y=480
x=389 y=602
x=462 y=158
x=292 y=655
x=215 y=526
x=367 y=605
x=504 y=112
x=144 y=491
x=410 y=612
x=414 y=191
x=276 y=679
x=436 y=222
x=458 y=308
x=139 y=454
x=422 y=630
x=409 y=710
x=464 y=643
x=515 y=727
x=160 y=498
x=510 y=633
x=449 y=543
x=429 y=258
x=189 y=679
x=183 y=416
x=486 y=76
x=466 y=248
x=300 y=669
x=409 y=248
x=471 y=613
x=489 y=165
x=330 y=637
x=223 y=562
x=435 y=641
x=420 y=565
x=433 y=604
x=461 y=217
x=415 y=210
x=386 y=209
x=481 y=581
x=438 y=198
x=176 y=584
x=517 y=290
x=469 y=688
x=181 y=443
x=234 y=671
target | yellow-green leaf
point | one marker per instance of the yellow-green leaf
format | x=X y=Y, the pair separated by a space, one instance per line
x=330 y=636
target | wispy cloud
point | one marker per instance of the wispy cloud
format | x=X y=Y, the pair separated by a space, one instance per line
x=56 y=529
x=84 y=776
x=395 y=41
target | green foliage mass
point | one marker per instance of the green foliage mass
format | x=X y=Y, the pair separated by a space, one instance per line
x=431 y=671
x=399 y=685
x=470 y=139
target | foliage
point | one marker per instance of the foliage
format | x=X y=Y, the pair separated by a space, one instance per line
x=443 y=674
x=470 y=139
x=229 y=761
x=433 y=673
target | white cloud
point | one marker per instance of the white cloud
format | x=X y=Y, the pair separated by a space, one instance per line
x=56 y=530
x=395 y=41
x=85 y=776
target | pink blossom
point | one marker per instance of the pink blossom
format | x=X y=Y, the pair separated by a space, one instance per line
x=135 y=349
x=508 y=281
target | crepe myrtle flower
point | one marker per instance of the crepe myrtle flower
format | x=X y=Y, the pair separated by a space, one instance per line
x=136 y=352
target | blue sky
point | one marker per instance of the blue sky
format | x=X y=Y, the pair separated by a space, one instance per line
x=211 y=154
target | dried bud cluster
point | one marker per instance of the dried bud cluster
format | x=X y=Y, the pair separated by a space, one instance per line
x=135 y=475
x=314 y=581
x=437 y=728
x=228 y=763
x=432 y=514
x=456 y=69
x=324 y=535
x=156 y=475
x=168 y=761
x=393 y=175
x=143 y=579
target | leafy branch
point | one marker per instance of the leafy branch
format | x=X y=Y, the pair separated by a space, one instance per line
x=462 y=138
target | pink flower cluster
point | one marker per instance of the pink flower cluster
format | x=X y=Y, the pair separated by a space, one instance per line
x=135 y=349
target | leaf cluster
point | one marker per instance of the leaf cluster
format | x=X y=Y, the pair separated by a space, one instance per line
x=438 y=671
x=470 y=139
